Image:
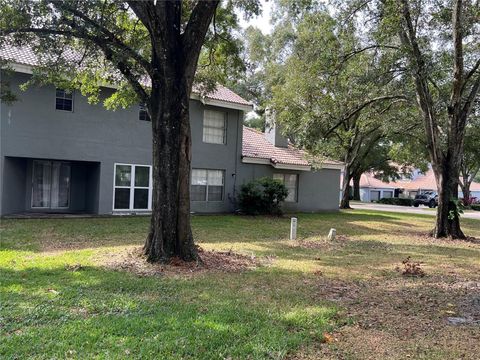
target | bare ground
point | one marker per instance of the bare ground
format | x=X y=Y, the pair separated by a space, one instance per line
x=132 y=260
x=402 y=318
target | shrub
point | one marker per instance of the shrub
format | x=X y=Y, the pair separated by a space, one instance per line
x=262 y=196
x=396 y=201
x=475 y=207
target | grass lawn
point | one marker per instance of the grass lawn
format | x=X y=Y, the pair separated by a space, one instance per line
x=308 y=299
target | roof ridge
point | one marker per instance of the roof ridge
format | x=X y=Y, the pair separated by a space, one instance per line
x=253 y=129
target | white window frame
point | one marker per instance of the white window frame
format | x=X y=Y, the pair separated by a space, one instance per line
x=132 y=187
x=69 y=186
x=206 y=190
x=224 y=127
x=296 y=185
x=56 y=97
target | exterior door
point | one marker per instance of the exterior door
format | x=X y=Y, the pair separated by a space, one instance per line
x=50 y=184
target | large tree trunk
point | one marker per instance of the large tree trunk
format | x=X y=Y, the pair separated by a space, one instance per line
x=448 y=221
x=174 y=62
x=170 y=233
x=345 y=202
x=356 y=186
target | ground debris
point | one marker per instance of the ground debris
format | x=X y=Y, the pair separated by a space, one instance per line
x=323 y=243
x=74 y=267
x=133 y=260
x=412 y=269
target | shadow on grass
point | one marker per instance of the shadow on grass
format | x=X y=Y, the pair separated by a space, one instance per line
x=97 y=312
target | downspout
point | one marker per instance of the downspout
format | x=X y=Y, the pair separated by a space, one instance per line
x=237 y=154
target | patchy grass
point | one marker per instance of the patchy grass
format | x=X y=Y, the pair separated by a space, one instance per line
x=310 y=299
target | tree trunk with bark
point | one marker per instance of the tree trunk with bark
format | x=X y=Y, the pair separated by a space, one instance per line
x=345 y=201
x=356 y=187
x=170 y=234
x=447 y=223
x=445 y=145
x=465 y=186
x=174 y=63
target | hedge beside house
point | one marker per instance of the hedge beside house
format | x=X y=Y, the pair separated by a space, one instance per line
x=396 y=201
x=262 y=196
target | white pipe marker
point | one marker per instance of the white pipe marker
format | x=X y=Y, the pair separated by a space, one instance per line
x=293 y=228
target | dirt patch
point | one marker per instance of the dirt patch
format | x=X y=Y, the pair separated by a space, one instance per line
x=402 y=317
x=324 y=244
x=134 y=261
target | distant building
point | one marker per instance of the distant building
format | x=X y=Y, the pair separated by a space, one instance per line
x=373 y=189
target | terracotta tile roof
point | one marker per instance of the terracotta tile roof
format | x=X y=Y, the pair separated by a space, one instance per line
x=26 y=56
x=422 y=182
x=223 y=93
x=368 y=180
x=255 y=145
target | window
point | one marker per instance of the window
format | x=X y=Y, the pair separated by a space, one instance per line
x=214 y=127
x=50 y=184
x=132 y=190
x=63 y=100
x=207 y=185
x=290 y=181
x=143 y=114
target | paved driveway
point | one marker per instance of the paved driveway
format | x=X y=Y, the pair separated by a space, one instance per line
x=410 y=210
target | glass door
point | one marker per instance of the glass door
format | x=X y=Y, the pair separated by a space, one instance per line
x=50 y=184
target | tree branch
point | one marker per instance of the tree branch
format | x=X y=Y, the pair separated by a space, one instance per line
x=114 y=40
x=194 y=35
x=123 y=67
x=360 y=108
x=456 y=95
x=355 y=52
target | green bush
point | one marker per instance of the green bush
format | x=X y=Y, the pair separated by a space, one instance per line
x=396 y=201
x=262 y=196
x=475 y=207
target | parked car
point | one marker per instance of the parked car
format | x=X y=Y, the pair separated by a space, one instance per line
x=429 y=199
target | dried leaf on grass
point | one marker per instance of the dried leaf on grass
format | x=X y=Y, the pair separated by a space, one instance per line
x=134 y=261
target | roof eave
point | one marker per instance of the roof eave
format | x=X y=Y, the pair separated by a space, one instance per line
x=282 y=166
x=291 y=166
x=28 y=69
x=221 y=103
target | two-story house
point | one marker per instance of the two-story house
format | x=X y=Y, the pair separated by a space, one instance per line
x=58 y=153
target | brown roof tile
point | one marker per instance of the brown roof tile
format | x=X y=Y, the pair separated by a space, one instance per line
x=26 y=56
x=255 y=145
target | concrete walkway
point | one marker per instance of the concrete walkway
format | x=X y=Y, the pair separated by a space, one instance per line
x=470 y=214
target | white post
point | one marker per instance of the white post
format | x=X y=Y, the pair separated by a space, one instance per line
x=293 y=228
x=332 y=234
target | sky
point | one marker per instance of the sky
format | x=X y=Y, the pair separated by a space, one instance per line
x=263 y=21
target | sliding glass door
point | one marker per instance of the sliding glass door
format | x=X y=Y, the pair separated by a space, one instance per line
x=50 y=184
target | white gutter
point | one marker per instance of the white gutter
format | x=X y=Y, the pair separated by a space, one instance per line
x=252 y=160
x=292 y=167
x=264 y=161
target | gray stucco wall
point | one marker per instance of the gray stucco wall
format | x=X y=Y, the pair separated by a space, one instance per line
x=32 y=128
x=94 y=139
x=318 y=190
x=13 y=198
